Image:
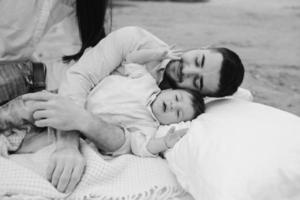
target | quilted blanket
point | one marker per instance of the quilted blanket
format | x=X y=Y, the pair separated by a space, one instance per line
x=22 y=176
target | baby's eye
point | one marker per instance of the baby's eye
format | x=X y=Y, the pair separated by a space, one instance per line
x=176 y=97
x=178 y=113
x=196 y=62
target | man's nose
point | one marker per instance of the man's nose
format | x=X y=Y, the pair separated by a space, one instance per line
x=190 y=70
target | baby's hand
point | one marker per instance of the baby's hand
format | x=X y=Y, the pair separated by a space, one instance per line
x=173 y=136
x=3 y=146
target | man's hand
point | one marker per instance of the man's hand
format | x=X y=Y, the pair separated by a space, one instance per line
x=52 y=110
x=173 y=136
x=144 y=56
x=65 y=169
x=173 y=53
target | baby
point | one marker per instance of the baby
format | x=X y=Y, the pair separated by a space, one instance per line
x=133 y=102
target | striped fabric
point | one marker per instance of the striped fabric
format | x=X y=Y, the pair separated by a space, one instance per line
x=15 y=79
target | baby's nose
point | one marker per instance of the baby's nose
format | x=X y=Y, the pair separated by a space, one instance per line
x=175 y=105
x=171 y=105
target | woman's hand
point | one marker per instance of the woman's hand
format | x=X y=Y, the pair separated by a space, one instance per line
x=173 y=136
x=52 y=110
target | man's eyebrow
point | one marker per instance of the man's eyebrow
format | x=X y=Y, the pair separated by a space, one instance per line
x=203 y=60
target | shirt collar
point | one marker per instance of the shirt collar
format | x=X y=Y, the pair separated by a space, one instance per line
x=158 y=71
x=149 y=108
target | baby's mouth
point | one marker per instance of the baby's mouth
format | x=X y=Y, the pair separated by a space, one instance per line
x=164 y=106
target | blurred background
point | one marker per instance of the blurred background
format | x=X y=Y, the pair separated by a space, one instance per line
x=265 y=33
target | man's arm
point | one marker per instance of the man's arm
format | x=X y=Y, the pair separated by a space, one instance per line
x=102 y=59
x=107 y=137
x=52 y=110
x=143 y=56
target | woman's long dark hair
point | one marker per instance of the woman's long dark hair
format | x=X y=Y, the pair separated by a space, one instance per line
x=90 y=17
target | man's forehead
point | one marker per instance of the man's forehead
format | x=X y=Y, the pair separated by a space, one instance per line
x=211 y=52
x=206 y=51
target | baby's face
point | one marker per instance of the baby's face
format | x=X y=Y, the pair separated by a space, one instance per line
x=173 y=106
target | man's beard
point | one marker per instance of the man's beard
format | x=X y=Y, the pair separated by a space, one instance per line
x=167 y=81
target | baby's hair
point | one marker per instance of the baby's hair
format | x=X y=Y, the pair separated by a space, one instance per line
x=197 y=102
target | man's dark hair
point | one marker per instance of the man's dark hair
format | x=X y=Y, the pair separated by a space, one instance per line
x=90 y=18
x=231 y=74
x=197 y=102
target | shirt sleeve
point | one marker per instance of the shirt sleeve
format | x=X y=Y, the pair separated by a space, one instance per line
x=139 y=139
x=104 y=58
x=136 y=140
x=133 y=70
x=125 y=148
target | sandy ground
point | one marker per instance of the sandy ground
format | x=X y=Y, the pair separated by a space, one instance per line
x=266 y=35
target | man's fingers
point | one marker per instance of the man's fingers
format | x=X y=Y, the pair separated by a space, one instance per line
x=174 y=54
x=5 y=154
x=45 y=123
x=65 y=178
x=76 y=176
x=173 y=46
x=57 y=174
x=40 y=114
x=38 y=105
x=50 y=169
x=173 y=57
x=41 y=96
x=3 y=151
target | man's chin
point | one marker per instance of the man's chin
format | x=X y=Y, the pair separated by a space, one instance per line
x=171 y=71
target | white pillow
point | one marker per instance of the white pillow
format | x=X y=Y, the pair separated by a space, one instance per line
x=240 y=150
x=241 y=93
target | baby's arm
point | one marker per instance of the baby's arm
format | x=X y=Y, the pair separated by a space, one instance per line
x=157 y=145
